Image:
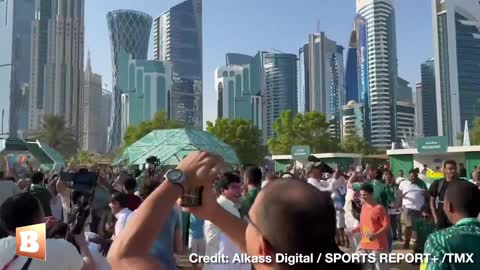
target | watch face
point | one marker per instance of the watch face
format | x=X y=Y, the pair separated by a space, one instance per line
x=174 y=175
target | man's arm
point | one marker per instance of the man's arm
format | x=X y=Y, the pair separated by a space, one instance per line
x=433 y=198
x=88 y=263
x=178 y=235
x=131 y=249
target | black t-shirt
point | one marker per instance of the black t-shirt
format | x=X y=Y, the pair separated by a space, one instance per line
x=435 y=192
x=438 y=193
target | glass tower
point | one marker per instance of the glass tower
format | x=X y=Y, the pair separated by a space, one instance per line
x=376 y=23
x=15 y=34
x=429 y=99
x=280 y=87
x=129 y=33
x=351 y=74
x=457 y=74
x=178 y=39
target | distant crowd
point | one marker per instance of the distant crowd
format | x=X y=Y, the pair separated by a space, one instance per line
x=136 y=221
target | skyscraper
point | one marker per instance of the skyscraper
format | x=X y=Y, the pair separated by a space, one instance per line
x=405 y=121
x=351 y=74
x=44 y=11
x=129 y=33
x=15 y=35
x=280 y=91
x=57 y=62
x=237 y=59
x=235 y=97
x=105 y=117
x=404 y=91
x=429 y=99
x=303 y=79
x=418 y=111
x=92 y=121
x=177 y=38
x=376 y=30
x=323 y=78
x=456 y=34
x=145 y=85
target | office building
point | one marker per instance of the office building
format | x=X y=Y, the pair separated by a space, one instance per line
x=352 y=119
x=405 y=121
x=351 y=70
x=145 y=85
x=404 y=91
x=280 y=87
x=322 y=76
x=44 y=11
x=62 y=91
x=129 y=33
x=235 y=99
x=92 y=121
x=105 y=118
x=418 y=111
x=177 y=38
x=429 y=99
x=456 y=32
x=15 y=34
x=375 y=26
x=303 y=94
x=237 y=59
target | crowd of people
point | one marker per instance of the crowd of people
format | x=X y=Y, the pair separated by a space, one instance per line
x=136 y=219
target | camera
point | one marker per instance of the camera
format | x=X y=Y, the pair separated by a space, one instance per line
x=83 y=184
x=151 y=165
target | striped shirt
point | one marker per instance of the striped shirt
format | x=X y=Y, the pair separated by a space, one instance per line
x=463 y=237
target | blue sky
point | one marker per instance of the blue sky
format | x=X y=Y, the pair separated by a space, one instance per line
x=247 y=26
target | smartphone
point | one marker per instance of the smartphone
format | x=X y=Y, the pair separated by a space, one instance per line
x=192 y=197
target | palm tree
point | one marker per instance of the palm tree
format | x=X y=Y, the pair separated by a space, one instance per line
x=55 y=132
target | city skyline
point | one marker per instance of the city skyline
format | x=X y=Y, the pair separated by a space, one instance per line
x=338 y=27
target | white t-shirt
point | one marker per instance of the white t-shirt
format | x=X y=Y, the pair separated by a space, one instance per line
x=399 y=180
x=101 y=262
x=122 y=218
x=61 y=255
x=57 y=208
x=413 y=195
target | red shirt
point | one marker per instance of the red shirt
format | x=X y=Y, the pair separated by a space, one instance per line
x=133 y=202
x=372 y=220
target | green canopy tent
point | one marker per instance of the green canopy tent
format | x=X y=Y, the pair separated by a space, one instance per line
x=171 y=145
x=48 y=159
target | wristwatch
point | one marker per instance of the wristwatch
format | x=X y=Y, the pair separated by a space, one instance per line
x=176 y=177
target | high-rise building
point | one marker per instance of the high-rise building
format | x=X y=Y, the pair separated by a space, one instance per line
x=235 y=99
x=280 y=91
x=375 y=26
x=93 y=136
x=129 y=33
x=352 y=118
x=351 y=73
x=405 y=121
x=404 y=91
x=429 y=99
x=456 y=32
x=145 y=85
x=323 y=79
x=57 y=63
x=303 y=79
x=177 y=38
x=44 y=12
x=105 y=117
x=15 y=34
x=418 y=111
x=237 y=59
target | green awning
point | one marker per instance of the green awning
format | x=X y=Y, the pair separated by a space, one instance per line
x=171 y=145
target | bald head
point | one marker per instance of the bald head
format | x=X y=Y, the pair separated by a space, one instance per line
x=295 y=217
